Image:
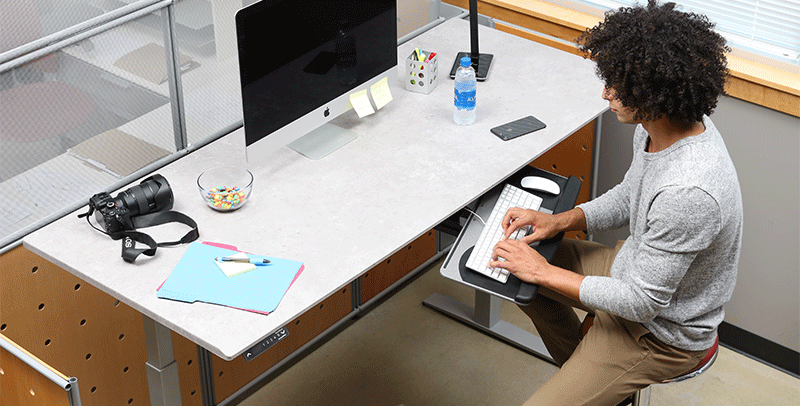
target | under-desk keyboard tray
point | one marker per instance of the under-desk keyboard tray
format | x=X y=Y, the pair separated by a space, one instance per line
x=514 y=289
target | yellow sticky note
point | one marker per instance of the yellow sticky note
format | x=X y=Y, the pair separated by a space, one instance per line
x=360 y=102
x=381 y=94
x=235 y=268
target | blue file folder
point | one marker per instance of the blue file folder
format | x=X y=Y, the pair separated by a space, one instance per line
x=197 y=278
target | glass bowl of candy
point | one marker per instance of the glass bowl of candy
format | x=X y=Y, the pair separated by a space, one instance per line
x=225 y=188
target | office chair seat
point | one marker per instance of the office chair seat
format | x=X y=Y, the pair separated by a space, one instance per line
x=703 y=366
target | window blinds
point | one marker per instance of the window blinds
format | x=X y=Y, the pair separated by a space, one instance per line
x=769 y=27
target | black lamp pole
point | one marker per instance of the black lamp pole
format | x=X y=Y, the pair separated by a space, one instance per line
x=480 y=62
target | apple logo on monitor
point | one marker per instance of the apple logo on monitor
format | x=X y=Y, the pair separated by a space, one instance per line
x=327 y=112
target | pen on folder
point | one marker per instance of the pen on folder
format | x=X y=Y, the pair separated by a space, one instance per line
x=257 y=262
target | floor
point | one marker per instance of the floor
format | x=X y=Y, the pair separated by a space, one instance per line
x=403 y=353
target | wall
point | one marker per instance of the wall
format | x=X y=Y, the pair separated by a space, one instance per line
x=412 y=14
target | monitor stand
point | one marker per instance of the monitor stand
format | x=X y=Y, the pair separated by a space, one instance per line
x=318 y=143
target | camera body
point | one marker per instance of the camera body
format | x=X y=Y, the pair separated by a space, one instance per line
x=115 y=214
x=109 y=214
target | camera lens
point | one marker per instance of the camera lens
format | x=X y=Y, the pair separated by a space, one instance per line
x=153 y=194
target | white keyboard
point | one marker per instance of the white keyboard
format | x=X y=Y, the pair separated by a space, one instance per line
x=493 y=230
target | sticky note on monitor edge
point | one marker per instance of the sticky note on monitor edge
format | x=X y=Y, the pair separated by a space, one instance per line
x=360 y=102
x=381 y=94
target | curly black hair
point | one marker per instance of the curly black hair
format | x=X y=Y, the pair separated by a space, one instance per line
x=660 y=61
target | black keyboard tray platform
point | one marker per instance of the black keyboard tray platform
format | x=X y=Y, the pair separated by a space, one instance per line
x=514 y=289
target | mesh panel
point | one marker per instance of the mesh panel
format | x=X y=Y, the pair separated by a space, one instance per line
x=206 y=33
x=78 y=120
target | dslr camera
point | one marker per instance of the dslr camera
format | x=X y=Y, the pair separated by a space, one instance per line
x=115 y=214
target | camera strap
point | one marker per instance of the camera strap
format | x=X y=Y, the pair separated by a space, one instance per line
x=130 y=237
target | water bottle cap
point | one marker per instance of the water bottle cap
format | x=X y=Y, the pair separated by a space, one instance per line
x=466 y=61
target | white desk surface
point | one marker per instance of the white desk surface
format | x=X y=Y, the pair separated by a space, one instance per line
x=410 y=168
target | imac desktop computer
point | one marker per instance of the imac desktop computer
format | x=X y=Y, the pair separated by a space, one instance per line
x=299 y=61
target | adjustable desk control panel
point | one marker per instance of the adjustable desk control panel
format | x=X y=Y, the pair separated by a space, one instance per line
x=265 y=344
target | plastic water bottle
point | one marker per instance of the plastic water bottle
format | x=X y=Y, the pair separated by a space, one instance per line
x=465 y=86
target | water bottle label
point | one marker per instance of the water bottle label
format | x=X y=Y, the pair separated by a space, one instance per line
x=465 y=100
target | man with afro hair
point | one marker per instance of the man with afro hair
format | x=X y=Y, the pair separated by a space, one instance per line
x=656 y=297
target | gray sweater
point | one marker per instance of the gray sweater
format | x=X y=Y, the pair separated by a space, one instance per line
x=678 y=267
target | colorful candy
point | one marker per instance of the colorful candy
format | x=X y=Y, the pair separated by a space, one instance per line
x=225 y=198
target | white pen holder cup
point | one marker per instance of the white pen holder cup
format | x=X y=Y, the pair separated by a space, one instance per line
x=422 y=76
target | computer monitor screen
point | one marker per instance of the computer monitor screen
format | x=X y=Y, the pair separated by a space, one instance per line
x=299 y=61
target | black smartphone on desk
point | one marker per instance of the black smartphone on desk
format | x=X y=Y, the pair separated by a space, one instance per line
x=517 y=128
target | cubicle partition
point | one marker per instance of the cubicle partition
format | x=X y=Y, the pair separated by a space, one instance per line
x=73 y=327
x=95 y=94
x=27 y=380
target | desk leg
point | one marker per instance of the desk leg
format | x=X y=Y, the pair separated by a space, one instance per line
x=486 y=317
x=162 y=370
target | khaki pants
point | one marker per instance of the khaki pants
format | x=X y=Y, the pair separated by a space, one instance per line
x=616 y=358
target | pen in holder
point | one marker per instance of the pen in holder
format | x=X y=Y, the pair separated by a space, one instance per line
x=422 y=71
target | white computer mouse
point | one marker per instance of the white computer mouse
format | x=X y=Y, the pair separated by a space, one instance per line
x=540 y=184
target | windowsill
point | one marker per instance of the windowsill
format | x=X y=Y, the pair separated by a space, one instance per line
x=755 y=82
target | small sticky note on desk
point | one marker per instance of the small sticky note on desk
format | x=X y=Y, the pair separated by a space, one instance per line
x=360 y=102
x=381 y=93
x=235 y=268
